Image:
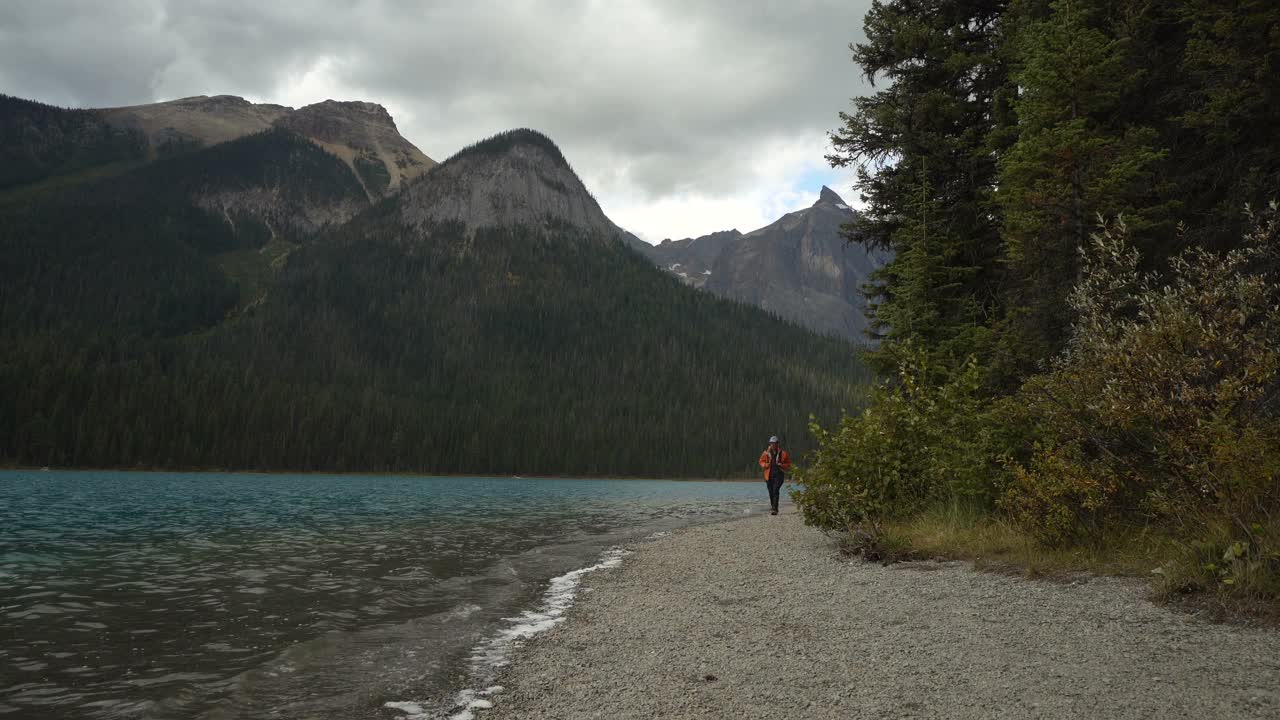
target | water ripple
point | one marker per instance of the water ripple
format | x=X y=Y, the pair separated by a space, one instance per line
x=130 y=595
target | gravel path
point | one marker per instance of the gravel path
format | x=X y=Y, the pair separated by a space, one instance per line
x=760 y=618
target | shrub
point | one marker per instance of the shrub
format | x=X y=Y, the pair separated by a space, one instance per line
x=1162 y=408
x=916 y=444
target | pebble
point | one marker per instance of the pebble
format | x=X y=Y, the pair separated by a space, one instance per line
x=761 y=618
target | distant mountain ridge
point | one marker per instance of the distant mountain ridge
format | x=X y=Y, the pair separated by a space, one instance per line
x=691 y=259
x=361 y=134
x=245 y=305
x=201 y=119
x=266 y=177
x=800 y=267
x=39 y=141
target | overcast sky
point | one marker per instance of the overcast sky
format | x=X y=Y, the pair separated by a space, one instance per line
x=683 y=117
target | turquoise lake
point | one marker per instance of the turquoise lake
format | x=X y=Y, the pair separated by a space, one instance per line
x=202 y=595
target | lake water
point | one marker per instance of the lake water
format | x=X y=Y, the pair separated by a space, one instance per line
x=171 y=595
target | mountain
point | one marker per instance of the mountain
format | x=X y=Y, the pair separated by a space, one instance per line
x=242 y=183
x=199 y=120
x=171 y=247
x=800 y=267
x=515 y=178
x=365 y=137
x=488 y=318
x=362 y=134
x=41 y=141
x=691 y=259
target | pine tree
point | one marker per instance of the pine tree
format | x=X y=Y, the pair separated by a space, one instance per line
x=1078 y=157
x=924 y=146
x=1227 y=155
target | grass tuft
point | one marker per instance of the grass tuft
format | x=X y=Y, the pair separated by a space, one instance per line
x=1219 y=580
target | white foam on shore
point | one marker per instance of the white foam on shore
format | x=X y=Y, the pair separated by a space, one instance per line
x=468 y=701
x=464 y=612
x=495 y=652
x=411 y=709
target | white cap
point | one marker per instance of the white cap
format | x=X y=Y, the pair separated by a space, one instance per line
x=773 y=439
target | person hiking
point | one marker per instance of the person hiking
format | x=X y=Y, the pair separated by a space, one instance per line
x=776 y=463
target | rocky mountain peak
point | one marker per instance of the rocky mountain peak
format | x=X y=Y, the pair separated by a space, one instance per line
x=361 y=134
x=714 y=238
x=799 y=267
x=518 y=177
x=830 y=197
x=196 y=120
x=216 y=103
x=364 y=136
x=521 y=142
x=333 y=114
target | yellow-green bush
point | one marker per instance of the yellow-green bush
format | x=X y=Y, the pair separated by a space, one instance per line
x=1162 y=409
x=915 y=445
x=1162 y=416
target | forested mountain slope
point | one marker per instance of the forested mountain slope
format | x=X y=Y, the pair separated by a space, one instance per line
x=171 y=247
x=40 y=142
x=800 y=267
x=514 y=333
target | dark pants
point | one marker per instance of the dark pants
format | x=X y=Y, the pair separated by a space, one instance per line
x=775 y=489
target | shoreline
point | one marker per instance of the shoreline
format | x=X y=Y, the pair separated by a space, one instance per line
x=420 y=578
x=759 y=617
x=209 y=471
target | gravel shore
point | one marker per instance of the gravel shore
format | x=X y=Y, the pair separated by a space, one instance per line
x=761 y=618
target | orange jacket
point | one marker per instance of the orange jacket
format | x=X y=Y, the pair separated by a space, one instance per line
x=784 y=462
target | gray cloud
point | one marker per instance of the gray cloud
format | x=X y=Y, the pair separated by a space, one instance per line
x=653 y=97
